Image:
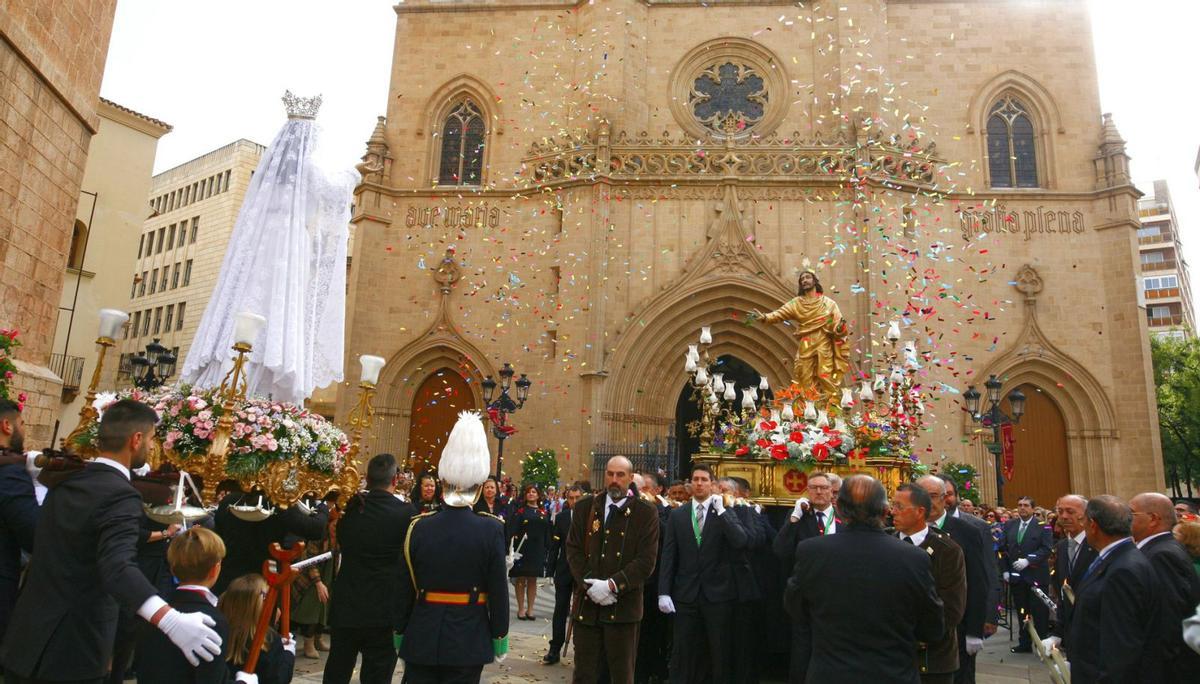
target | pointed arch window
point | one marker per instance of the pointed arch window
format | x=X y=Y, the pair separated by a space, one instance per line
x=79 y=237
x=463 y=139
x=1012 y=150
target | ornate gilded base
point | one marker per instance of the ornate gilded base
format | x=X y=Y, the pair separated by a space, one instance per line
x=780 y=483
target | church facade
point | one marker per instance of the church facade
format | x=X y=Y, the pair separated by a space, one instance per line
x=577 y=187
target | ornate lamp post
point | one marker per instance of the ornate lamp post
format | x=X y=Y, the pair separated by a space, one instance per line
x=153 y=367
x=993 y=417
x=504 y=405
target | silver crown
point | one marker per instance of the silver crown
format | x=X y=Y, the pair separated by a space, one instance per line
x=301 y=107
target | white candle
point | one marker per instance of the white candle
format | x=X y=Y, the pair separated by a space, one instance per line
x=763 y=384
x=689 y=365
x=693 y=352
x=111 y=321
x=371 y=365
x=893 y=333
x=706 y=335
x=701 y=376
x=822 y=419
x=810 y=411
x=246 y=327
x=880 y=382
x=866 y=393
x=775 y=416
x=747 y=399
x=788 y=414
x=847 y=397
x=897 y=375
x=730 y=392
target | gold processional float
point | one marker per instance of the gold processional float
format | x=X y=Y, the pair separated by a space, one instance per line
x=278 y=453
x=815 y=424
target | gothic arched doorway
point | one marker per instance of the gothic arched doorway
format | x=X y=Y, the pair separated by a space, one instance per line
x=435 y=408
x=1040 y=464
x=687 y=411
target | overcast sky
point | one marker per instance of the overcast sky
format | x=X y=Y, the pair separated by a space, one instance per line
x=215 y=71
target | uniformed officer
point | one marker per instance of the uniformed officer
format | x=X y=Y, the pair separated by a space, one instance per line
x=612 y=549
x=454 y=612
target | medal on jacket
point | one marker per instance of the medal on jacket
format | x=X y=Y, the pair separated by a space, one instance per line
x=595 y=524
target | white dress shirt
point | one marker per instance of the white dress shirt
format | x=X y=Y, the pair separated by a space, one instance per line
x=916 y=537
x=120 y=468
x=608 y=501
x=830 y=519
x=1145 y=541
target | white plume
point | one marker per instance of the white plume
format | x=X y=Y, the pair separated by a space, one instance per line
x=466 y=461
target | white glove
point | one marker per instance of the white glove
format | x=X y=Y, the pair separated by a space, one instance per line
x=799 y=508
x=289 y=644
x=500 y=658
x=599 y=592
x=1005 y=576
x=193 y=634
x=246 y=678
x=1020 y=564
x=718 y=505
x=974 y=645
x=1051 y=643
x=1191 y=631
x=666 y=605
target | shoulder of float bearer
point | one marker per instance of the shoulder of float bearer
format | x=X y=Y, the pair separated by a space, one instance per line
x=485 y=514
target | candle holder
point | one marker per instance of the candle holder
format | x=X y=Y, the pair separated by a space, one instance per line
x=111 y=321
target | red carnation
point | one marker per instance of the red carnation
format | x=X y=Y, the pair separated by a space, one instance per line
x=820 y=452
x=767 y=425
x=779 y=452
x=764 y=443
x=797 y=437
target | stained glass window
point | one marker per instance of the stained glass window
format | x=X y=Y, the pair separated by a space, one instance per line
x=463 y=140
x=728 y=97
x=1012 y=152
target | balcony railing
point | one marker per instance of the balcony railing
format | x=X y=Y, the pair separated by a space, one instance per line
x=1154 y=239
x=1165 y=321
x=1166 y=265
x=69 y=368
x=1162 y=293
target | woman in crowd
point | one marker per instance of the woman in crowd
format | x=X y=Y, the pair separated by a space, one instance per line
x=1188 y=534
x=427 y=493
x=241 y=604
x=529 y=534
x=310 y=595
x=489 y=499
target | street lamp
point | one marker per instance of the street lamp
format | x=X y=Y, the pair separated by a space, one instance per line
x=501 y=406
x=993 y=417
x=153 y=367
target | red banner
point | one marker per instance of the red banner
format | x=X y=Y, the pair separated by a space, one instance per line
x=1006 y=446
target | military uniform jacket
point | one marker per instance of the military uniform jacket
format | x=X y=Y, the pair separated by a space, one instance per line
x=950 y=575
x=453 y=551
x=624 y=550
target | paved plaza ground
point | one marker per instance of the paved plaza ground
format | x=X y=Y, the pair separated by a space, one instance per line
x=529 y=643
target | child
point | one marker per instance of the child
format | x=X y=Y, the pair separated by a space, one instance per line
x=195 y=559
x=242 y=603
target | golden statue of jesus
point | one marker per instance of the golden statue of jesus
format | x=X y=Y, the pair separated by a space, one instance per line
x=823 y=356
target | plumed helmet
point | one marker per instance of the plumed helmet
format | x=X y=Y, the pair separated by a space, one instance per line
x=466 y=462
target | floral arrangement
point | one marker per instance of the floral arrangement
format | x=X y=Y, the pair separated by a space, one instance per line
x=540 y=467
x=8 y=370
x=797 y=432
x=263 y=431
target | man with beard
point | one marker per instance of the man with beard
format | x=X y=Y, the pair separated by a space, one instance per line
x=18 y=507
x=612 y=549
x=86 y=564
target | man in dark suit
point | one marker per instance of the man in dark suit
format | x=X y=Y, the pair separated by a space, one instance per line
x=1027 y=544
x=1179 y=586
x=86 y=565
x=365 y=602
x=937 y=661
x=866 y=597
x=562 y=575
x=976 y=545
x=696 y=582
x=1072 y=556
x=810 y=518
x=612 y=549
x=453 y=611
x=1115 y=632
x=18 y=507
x=747 y=610
x=248 y=543
x=655 y=631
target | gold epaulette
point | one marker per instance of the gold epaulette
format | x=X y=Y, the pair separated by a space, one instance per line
x=408 y=540
x=490 y=515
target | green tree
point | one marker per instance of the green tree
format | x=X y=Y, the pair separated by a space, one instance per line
x=539 y=467
x=1177 y=387
x=965 y=480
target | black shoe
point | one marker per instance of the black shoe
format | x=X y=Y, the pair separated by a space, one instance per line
x=551 y=658
x=1021 y=649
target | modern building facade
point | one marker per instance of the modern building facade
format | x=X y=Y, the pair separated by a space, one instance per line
x=108 y=225
x=580 y=202
x=177 y=257
x=1165 y=282
x=51 y=61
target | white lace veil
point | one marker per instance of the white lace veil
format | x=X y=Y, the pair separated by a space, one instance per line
x=286 y=261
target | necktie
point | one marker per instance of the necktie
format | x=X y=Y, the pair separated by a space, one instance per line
x=612 y=512
x=1072 y=552
x=700 y=517
x=821 y=522
x=1091 y=568
x=1021 y=531
x=907 y=540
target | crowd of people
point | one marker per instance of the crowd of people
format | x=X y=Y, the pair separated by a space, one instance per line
x=685 y=581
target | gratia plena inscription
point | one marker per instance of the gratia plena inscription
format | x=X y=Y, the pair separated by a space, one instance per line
x=454 y=216
x=1027 y=223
